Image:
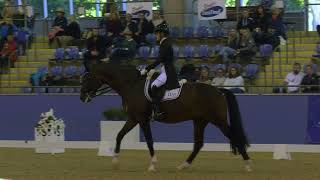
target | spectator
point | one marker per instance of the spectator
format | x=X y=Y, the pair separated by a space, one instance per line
x=8 y=9
x=59 y=27
x=8 y=54
x=130 y=27
x=204 y=75
x=188 y=72
x=318 y=30
x=219 y=79
x=271 y=38
x=7 y=28
x=276 y=22
x=113 y=25
x=19 y=17
x=234 y=79
x=96 y=50
x=123 y=48
x=245 y=21
x=156 y=21
x=294 y=78
x=260 y=18
x=230 y=49
x=310 y=80
x=60 y=23
x=247 y=48
x=73 y=30
x=144 y=27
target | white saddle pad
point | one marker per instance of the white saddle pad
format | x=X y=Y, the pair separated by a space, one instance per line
x=168 y=95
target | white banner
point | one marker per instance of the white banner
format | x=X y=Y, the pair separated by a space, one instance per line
x=212 y=9
x=140 y=7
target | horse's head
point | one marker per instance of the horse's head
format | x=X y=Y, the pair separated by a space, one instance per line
x=90 y=87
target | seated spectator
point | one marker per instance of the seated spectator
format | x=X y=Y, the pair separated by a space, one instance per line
x=229 y=51
x=271 y=38
x=123 y=49
x=130 y=27
x=59 y=27
x=204 y=75
x=276 y=22
x=219 y=78
x=294 y=79
x=73 y=30
x=144 y=28
x=310 y=80
x=113 y=25
x=156 y=20
x=234 y=79
x=245 y=21
x=247 y=48
x=7 y=28
x=96 y=50
x=8 y=54
x=189 y=72
x=260 y=18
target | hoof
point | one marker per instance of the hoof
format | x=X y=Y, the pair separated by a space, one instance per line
x=183 y=166
x=248 y=166
x=152 y=168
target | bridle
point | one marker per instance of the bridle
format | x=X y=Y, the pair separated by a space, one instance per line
x=92 y=94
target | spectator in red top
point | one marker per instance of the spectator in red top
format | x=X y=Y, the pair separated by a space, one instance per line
x=8 y=53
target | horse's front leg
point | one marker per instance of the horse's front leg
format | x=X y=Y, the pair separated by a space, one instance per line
x=148 y=135
x=129 y=125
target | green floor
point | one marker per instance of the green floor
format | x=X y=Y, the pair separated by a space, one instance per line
x=85 y=164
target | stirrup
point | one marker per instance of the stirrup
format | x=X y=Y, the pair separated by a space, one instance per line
x=156 y=116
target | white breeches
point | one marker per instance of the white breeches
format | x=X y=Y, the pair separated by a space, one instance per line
x=161 y=79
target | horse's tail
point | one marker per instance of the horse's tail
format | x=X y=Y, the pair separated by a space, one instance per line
x=238 y=139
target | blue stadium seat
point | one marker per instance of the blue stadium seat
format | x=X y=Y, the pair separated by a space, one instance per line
x=27 y=90
x=70 y=71
x=154 y=51
x=174 y=32
x=266 y=50
x=314 y=68
x=22 y=36
x=188 y=32
x=43 y=69
x=40 y=90
x=235 y=65
x=81 y=70
x=151 y=39
x=68 y=90
x=202 y=32
x=77 y=90
x=216 y=31
x=176 y=51
x=144 y=52
x=318 y=48
x=56 y=70
x=204 y=51
x=188 y=51
x=251 y=71
x=59 y=54
x=54 y=90
x=72 y=53
x=219 y=66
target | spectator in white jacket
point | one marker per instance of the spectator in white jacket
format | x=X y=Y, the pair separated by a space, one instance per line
x=219 y=78
x=234 y=79
x=294 y=79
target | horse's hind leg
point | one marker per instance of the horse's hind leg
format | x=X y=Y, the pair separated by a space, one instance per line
x=199 y=127
x=225 y=129
x=145 y=125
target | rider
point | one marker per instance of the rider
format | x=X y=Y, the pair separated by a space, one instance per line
x=168 y=75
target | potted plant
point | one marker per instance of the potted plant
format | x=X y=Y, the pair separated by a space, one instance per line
x=115 y=114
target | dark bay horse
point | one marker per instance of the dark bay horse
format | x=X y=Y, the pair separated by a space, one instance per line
x=201 y=103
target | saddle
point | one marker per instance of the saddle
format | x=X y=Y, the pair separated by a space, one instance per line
x=168 y=95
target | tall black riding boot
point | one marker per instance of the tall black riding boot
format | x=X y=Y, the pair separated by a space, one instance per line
x=157 y=115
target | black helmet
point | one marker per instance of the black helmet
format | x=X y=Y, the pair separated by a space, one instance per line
x=162 y=28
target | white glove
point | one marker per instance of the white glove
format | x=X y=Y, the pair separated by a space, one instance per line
x=143 y=72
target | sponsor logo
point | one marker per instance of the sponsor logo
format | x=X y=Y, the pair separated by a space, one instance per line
x=211 y=10
x=136 y=10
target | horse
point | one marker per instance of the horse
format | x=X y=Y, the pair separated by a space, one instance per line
x=201 y=103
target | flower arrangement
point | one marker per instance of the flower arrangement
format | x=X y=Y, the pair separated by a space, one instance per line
x=49 y=125
x=114 y=114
